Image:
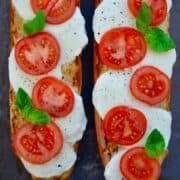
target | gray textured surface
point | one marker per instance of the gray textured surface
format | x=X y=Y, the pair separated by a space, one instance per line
x=88 y=165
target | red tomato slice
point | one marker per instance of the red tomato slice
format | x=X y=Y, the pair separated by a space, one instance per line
x=124 y=125
x=121 y=48
x=53 y=96
x=150 y=85
x=158 y=7
x=37 y=54
x=136 y=165
x=57 y=11
x=38 y=144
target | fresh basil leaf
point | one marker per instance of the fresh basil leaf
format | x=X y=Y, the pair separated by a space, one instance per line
x=159 y=41
x=23 y=102
x=24 y=105
x=36 y=25
x=22 y=99
x=143 y=19
x=155 y=144
x=38 y=117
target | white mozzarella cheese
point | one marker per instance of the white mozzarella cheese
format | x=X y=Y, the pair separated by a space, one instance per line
x=115 y=13
x=113 y=166
x=156 y=119
x=58 y=165
x=71 y=36
x=74 y=124
x=163 y=61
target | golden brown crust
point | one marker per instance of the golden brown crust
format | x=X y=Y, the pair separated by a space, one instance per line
x=72 y=75
x=107 y=149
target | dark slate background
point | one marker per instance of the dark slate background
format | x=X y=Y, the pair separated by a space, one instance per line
x=88 y=165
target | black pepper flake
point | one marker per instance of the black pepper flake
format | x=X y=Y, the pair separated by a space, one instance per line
x=59 y=166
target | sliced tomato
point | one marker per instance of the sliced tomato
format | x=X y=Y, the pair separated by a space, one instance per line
x=136 y=165
x=57 y=11
x=38 y=144
x=122 y=47
x=124 y=125
x=37 y=54
x=158 y=8
x=150 y=85
x=53 y=96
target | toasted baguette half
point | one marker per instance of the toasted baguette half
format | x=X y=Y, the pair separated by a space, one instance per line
x=72 y=73
x=108 y=149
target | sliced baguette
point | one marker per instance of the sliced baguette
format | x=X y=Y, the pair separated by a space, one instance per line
x=72 y=75
x=108 y=149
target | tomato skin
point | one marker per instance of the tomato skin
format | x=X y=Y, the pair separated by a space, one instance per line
x=124 y=125
x=150 y=85
x=122 y=47
x=158 y=8
x=136 y=165
x=37 y=54
x=38 y=144
x=53 y=96
x=55 y=14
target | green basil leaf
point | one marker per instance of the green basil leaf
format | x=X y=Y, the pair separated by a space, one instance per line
x=24 y=105
x=36 y=25
x=143 y=19
x=155 y=144
x=22 y=99
x=38 y=117
x=159 y=41
x=23 y=102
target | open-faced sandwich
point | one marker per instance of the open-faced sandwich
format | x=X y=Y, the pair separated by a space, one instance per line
x=133 y=63
x=47 y=113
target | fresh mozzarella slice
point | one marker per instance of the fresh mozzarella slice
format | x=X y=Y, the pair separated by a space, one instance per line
x=55 y=167
x=74 y=124
x=111 y=14
x=156 y=119
x=115 y=13
x=112 y=170
x=71 y=36
x=163 y=61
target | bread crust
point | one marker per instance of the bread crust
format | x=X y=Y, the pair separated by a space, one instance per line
x=108 y=149
x=72 y=73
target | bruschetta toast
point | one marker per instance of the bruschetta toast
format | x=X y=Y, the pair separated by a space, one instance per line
x=113 y=90
x=69 y=71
